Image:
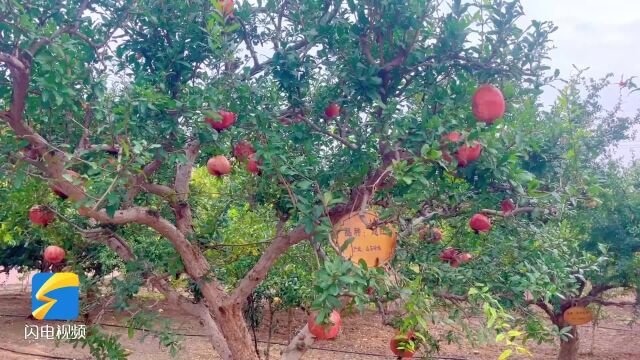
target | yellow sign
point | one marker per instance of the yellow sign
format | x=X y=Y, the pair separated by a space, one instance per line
x=375 y=246
x=578 y=315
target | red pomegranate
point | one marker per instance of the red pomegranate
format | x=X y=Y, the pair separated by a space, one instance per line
x=488 y=104
x=227 y=6
x=480 y=223
x=402 y=339
x=40 y=215
x=453 y=137
x=322 y=331
x=332 y=110
x=218 y=166
x=242 y=150
x=464 y=258
x=53 y=254
x=226 y=119
x=58 y=190
x=467 y=154
x=448 y=254
x=253 y=165
x=507 y=206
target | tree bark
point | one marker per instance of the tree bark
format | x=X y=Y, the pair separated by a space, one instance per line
x=569 y=348
x=236 y=334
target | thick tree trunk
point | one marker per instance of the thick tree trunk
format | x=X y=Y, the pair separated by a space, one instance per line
x=569 y=348
x=231 y=322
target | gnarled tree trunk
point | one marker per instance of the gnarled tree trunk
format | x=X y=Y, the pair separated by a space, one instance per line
x=233 y=327
x=569 y=348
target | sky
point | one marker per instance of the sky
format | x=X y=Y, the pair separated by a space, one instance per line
x=601 y=35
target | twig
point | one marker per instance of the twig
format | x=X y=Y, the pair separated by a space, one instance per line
x=337 y=137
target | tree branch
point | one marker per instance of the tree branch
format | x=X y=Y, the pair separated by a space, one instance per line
x=194 y=262
x=610 y=303
x=547 y=309
x=247 y=41
x=184 y=219
x=315 y=127
x=278 y=246
x=13 y=62
x=40 y=42
x=517 y=211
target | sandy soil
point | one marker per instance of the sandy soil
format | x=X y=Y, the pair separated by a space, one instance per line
x=614 y=340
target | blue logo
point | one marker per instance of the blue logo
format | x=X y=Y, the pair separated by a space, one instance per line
x=55 y=296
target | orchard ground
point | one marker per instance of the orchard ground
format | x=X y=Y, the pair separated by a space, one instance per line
x=614 y=338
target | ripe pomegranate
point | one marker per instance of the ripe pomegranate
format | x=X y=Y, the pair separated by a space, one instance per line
x=448 y=254
x=58 y=190
x=322 y=331
x=453 y=137
x=332 y=110
x=402 y=339
x=242 y=150
x=227 y=6
x=53 y=254
x=464 y=258
x=227 y=119
x=218 y=166
x=40 y=215
x=253 y=165
x=507 y=206
x=480 y=223
x=488 y=104
x=467 y=154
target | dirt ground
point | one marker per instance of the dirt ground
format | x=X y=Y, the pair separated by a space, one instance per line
x=614 y=340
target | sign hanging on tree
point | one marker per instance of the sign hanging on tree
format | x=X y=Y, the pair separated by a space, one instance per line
x=578 y=315
x=360 y=239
